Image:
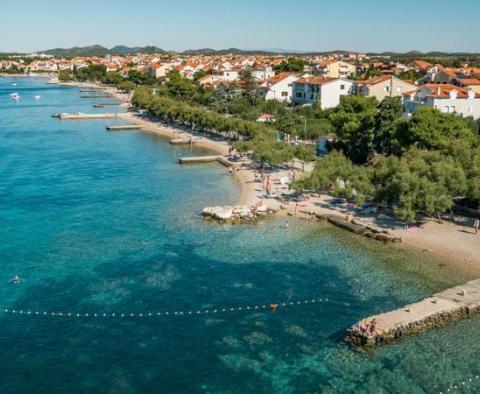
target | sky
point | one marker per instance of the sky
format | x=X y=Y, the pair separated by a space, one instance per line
x=308 y=25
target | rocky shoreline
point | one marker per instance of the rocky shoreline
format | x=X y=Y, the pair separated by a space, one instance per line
x=236 y=214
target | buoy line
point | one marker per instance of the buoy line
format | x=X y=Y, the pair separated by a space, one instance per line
x=194 y=312
x=462 y=385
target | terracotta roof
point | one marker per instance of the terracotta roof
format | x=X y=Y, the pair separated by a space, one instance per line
x=279 y=77
x=437 y=90
x=316 y=80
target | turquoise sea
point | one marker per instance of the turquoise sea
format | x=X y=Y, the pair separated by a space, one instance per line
x=99 y=222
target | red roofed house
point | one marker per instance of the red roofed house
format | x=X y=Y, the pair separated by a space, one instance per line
x=444 y=97
x=326 y=91
x=279 y=87
x=383 y=86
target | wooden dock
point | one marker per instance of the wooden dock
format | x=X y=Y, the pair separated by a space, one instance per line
x=65 y=116
x=124 y=127
x=456 y=303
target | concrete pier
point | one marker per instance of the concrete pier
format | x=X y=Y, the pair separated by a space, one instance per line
x=206 y=159
x=182 y=141
x=456 y=303
x=124 y=127
x=80 y=116
x=92 y=90
x=198 y=159
x=87 y=96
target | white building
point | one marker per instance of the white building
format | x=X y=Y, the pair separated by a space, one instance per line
x=445 y=98
x=325 y=91
x=261 y=74
x=279 y=87
x=229 y=75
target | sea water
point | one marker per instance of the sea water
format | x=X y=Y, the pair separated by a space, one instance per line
x=99 y=222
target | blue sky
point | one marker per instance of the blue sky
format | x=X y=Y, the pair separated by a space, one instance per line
x=368 y=25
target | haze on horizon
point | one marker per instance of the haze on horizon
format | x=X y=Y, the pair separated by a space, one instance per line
x=304 y=25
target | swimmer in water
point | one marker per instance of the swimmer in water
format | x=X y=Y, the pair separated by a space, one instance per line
x=15 y=280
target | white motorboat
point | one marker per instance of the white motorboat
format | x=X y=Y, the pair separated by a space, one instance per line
x=15 y=96
x=37 y=97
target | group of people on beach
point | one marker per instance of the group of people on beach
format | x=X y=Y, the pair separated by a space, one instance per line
x=267 y=183
x=366 y=328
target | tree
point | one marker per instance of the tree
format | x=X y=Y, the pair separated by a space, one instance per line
x=354 y=125
x=114 y=78
x=249 y=84
x=293 y=64
x=180 y=88
x=449 y=133
x=126 y=86
x=65 y=75
x=304 y=153
x=420 y=181
x=385 y=132
x=336 y=173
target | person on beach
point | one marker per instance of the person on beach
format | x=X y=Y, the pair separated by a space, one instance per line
x=286 y=225
x=476 y=225
x=295 y=209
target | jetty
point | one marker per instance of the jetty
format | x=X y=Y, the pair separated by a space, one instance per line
x=456 y=303
x=87 y=96
x=91 y=90
x=198 y=159
x=124 y=127
x=183 y=141
x=81 y=116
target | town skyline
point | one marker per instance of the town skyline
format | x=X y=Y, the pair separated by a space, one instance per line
x=305 y=26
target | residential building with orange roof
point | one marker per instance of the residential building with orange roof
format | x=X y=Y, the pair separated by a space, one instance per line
x=461 y=77
x=446 y=98
x=279 y=87
x=322 y=90
x=335 y=69
x=383 y=86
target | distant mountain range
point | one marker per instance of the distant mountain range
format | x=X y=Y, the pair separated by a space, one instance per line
x=99 y=50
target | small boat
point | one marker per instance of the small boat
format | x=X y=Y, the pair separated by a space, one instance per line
x=37 y=97
x=15 y=96
x=14 y=84
x=98 y=106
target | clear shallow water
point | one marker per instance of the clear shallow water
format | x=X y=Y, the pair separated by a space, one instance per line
x=108 y=222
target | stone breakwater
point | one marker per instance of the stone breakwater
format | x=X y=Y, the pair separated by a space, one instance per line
x=353 y=226
x=361 y=229
x=456 y=303
x=236 y=214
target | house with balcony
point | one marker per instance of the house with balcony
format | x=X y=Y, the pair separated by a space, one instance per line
x=279 y=87
x=444 y=97
x=324 y=91
x=335 y=69
x=383 y=86
x=462 y=77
